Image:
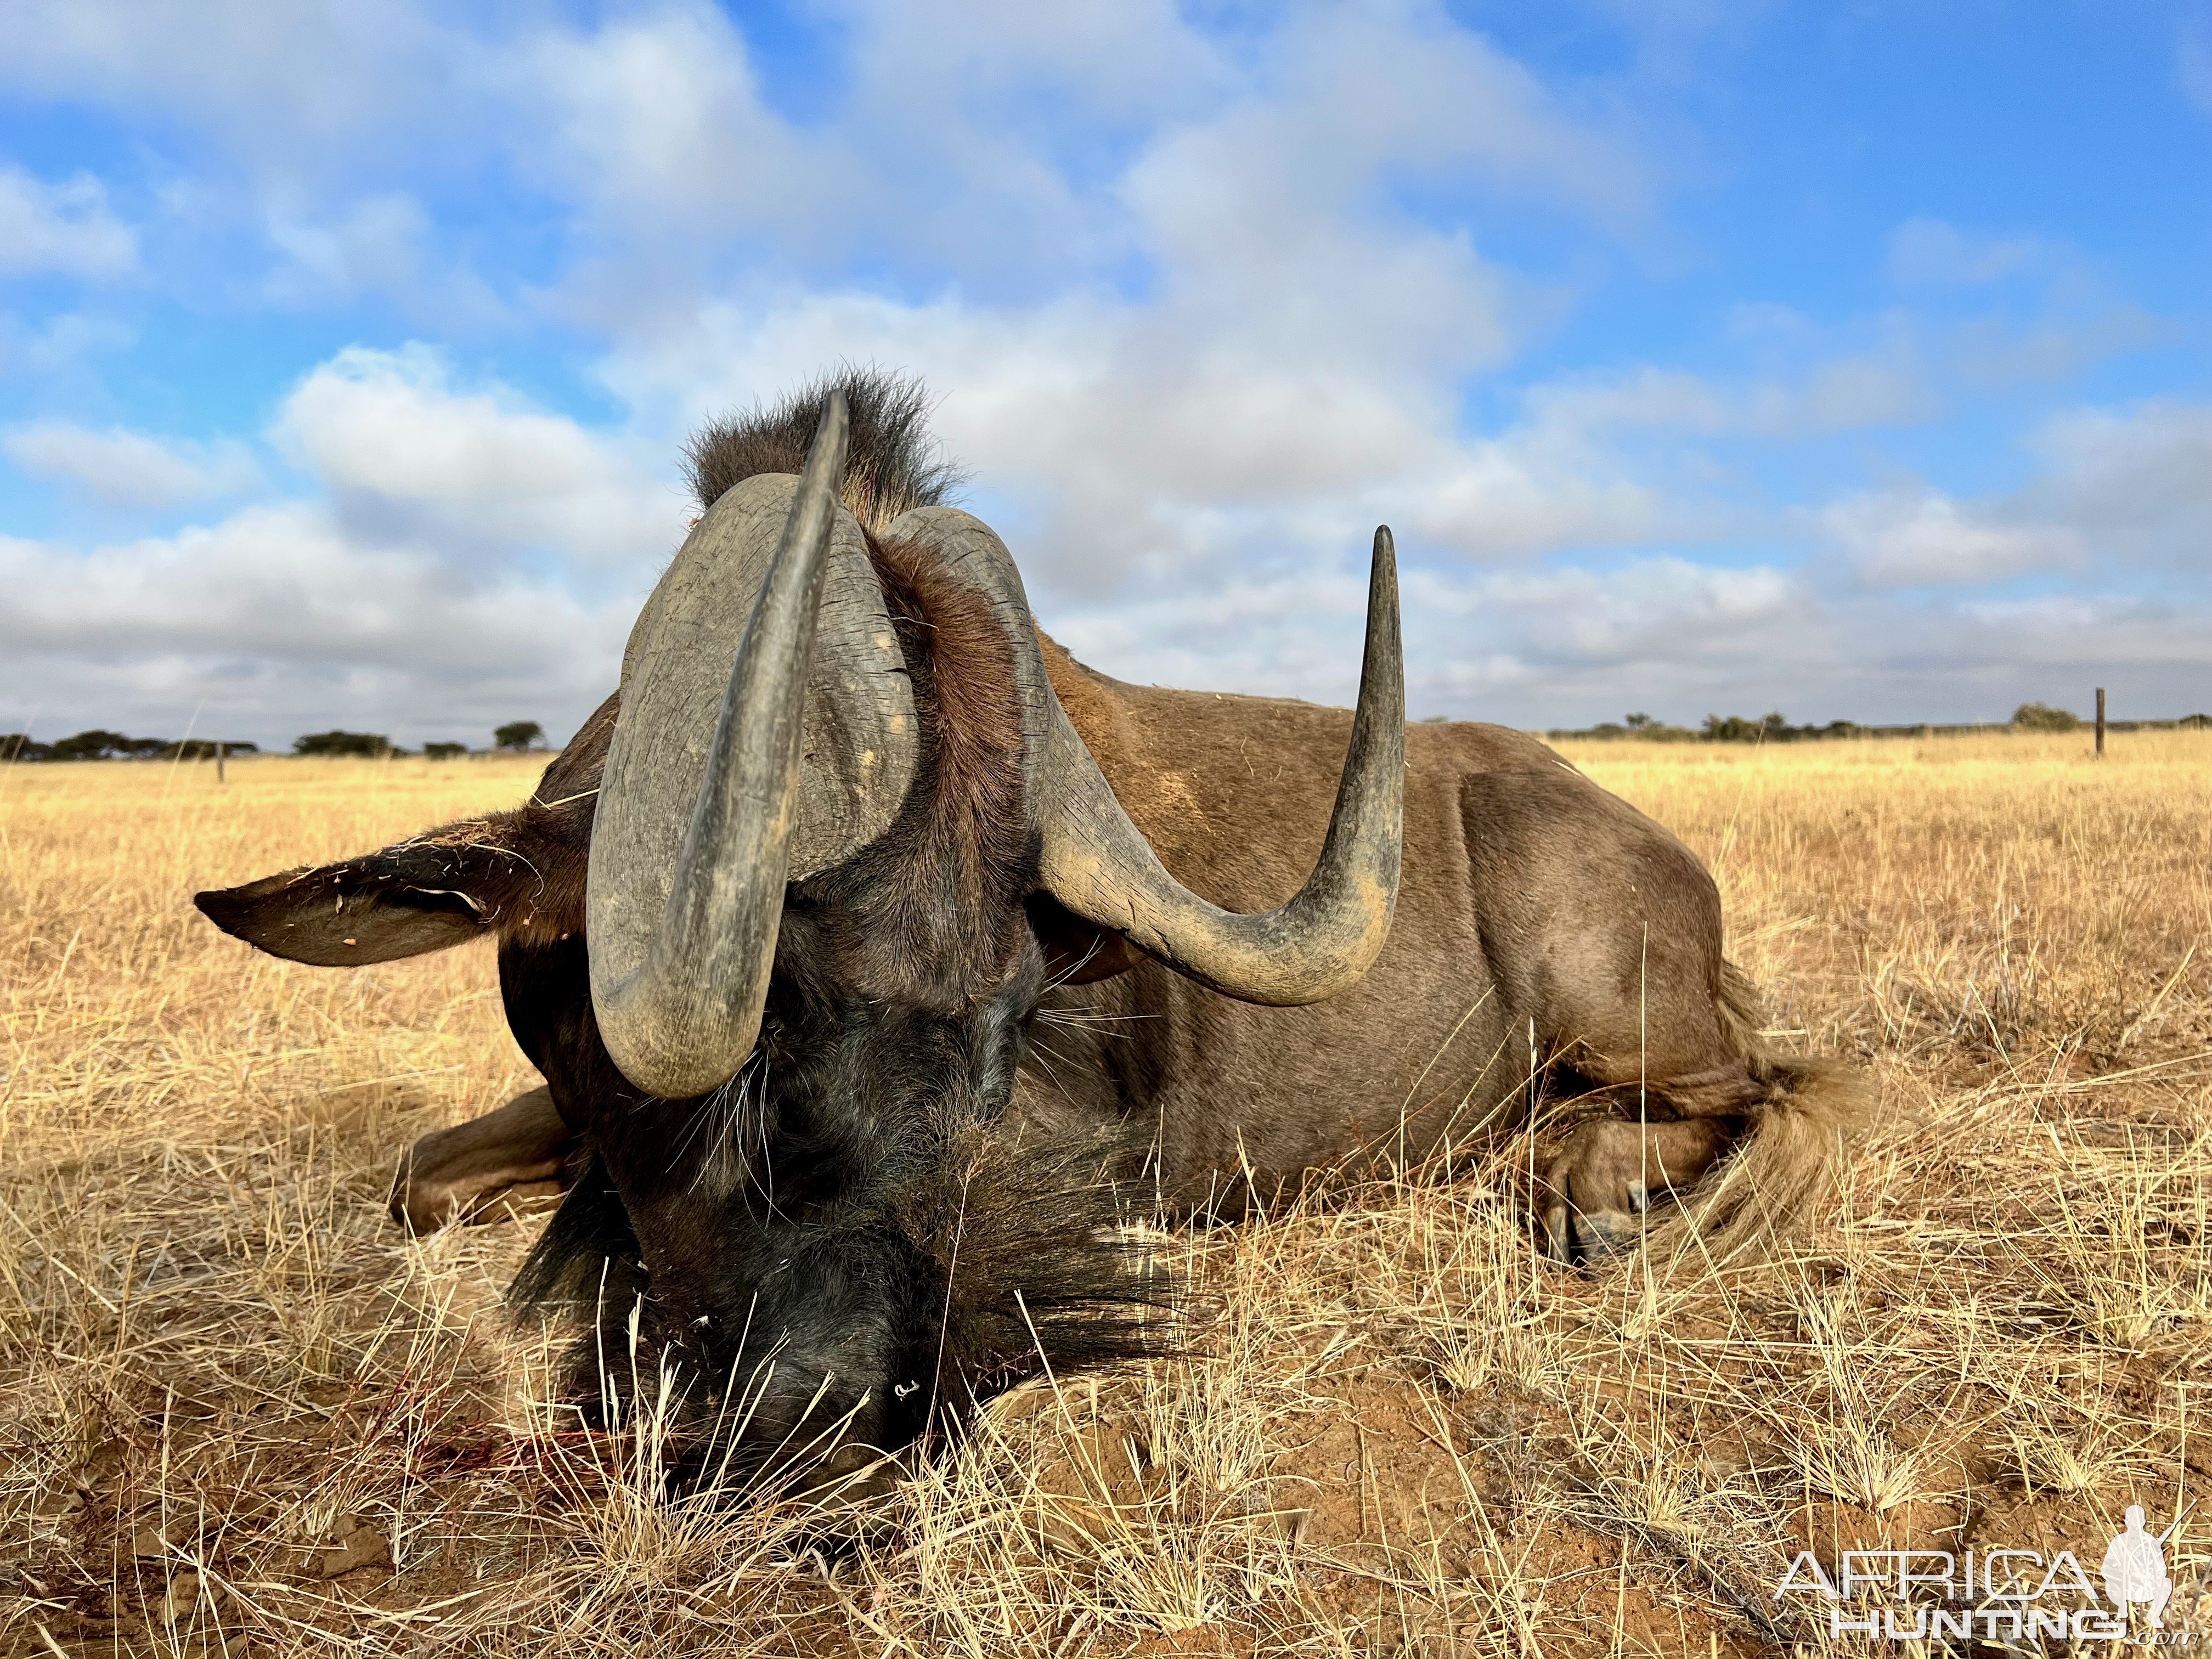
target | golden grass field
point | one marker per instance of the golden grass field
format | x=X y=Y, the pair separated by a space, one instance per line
x=1391 y=1430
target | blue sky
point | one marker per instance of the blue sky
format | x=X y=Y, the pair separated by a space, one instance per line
x=1854 y=360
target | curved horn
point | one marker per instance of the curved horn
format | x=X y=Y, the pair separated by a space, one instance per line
x=1097 y=862
x=678 y=994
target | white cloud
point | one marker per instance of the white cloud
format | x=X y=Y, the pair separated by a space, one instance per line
x=129 y=468
x=1471 y=637
x=2111 y=487
x=282 y=621
x=652 y=126
x=66 y=228
x=1908 y=538
x=435 y=592
x=2139 y=480
x=1292 y=368
x=299 y=117
x=383 y=245
x=1345 y=104
x=1847 y=392
x=1290 y=364
x=468 y=558
x=390 y=433
x=294 y=91
x=1651 y=611
x=1130 y=443
x=1989 y=354
x=1576 y=645
x=1135 y=60
x=60 y=344
x=374 y=246
x=1645 y=397
x=2044 y=618
x=1933 y=254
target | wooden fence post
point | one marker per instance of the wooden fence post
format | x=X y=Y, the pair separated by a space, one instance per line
x=2100 y=722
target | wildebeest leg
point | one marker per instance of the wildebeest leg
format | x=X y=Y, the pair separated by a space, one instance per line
x=480 y=1170
x=1594 y=1193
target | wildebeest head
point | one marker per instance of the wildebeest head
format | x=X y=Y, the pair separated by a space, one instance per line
x=775 y=926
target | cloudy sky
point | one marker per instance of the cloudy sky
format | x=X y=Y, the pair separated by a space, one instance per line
x=1851 y=359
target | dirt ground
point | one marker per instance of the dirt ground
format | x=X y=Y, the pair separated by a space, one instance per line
x=241 y=1413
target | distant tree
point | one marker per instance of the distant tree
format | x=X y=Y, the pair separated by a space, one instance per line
x=95 y=744
x=18 y=746
x=1644 y=728
x=519 y=734
x=2187 y=723
x=1768 y=728
x=375 y=745
x=444 y=750
x=2042 y=717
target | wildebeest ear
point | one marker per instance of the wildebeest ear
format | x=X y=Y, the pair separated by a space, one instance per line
x=440 y=890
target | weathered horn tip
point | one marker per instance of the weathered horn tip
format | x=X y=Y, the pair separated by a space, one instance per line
x=1384 y=565
x=1382 y=576
x=825 y=456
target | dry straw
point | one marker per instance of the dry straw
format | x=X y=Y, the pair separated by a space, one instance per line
x=240 y=1413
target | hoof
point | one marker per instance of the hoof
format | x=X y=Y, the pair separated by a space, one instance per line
x=1578 y=1237
x=1605 y=1234
x=1595 y=1194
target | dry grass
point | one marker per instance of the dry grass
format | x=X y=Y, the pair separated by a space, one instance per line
x=1396 y=1432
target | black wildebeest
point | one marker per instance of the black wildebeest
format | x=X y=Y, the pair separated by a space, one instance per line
x=860 y=939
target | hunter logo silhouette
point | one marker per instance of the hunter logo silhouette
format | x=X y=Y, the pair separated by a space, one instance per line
x=2134 y=1568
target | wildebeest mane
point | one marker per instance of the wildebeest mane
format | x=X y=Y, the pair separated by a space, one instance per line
x=891 y=462
x=960 y=851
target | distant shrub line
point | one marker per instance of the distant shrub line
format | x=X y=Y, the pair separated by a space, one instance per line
x=514 y=737
x=112 y=745
x=1777 y=728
